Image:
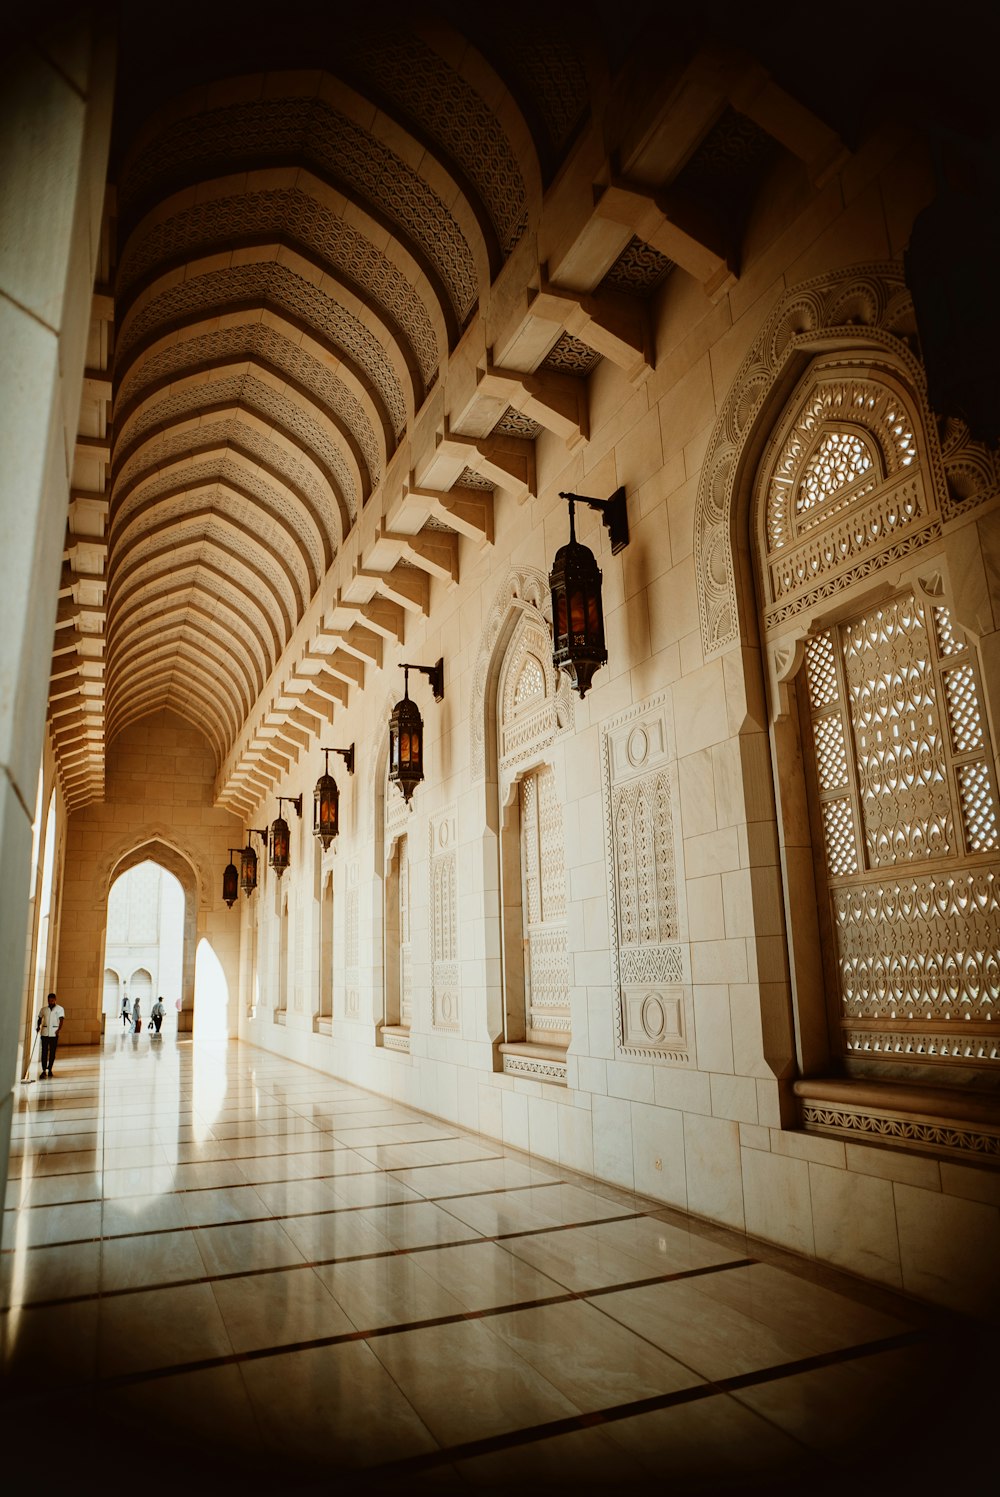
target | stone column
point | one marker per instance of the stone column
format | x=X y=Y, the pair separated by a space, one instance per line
x=56 y=91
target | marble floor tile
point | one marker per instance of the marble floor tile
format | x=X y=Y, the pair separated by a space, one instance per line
x=336 y=1407
x=279 y=1309
x=299 y=1277
x=387 y=1291
x=466 y=1383
x=149 y=1261
x=245 y=1245
x=159 y=1328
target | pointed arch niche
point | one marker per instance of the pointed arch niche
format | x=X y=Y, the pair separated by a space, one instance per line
x=173 y=861
x=819 y=538
x=521 y=710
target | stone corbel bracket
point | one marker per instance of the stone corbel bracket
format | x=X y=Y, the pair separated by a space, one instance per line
x=506 y=462
x=556 y=401
x=615 y=326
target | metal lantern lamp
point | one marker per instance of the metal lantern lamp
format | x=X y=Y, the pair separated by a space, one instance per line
x=326 y=798
x=406 y=731
x=248 y=861
x=280 y=835
x=230 y=882
x=575 y=581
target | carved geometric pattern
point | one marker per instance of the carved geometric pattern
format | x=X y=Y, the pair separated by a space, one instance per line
x=221 y=434
x=405 y=952
x=274 y=283
x=290 y=213
x=451 y=111
x=979 y=811
x=898 y=743
x=532 y=1066
x=467 y=479
x=247 y=341
x=568 y=355
x=531 y=722
x=963 y=708
x=444 y=921
x=651 y=1003
x=530 y=683
x=256 y=529
x=963 y=1140
x=525 y=591
x=543 y=862
x=259 y=397
x=638 y=271
x=826 y=312
x=950 y=640
x=848 y=435
x=310 y=131
x=821 y=671
x=922 y=949
x=831 y=752
x=548 y=66
x=515 y=424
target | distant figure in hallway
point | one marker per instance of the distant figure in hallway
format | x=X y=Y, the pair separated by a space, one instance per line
x=126 y=1011
x=136 y=1017
x=49 y=1023
x=156 y=1013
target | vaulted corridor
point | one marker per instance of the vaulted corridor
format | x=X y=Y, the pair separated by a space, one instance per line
x=220 y=1264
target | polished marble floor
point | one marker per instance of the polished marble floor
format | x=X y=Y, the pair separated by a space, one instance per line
x=225 y=1267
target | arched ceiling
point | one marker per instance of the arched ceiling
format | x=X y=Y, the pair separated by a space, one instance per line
x=297 y=254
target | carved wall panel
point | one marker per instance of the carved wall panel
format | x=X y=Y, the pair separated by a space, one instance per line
x=443 y=882
x=405 y=954
x=352 y=941
x=653 y=1000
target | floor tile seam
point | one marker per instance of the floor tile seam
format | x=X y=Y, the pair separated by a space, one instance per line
x=531 y=1434
x=247 y=1221
x=242 y=1158
x=394 y=1252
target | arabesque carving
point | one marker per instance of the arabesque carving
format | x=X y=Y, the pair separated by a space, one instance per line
x=866 y=307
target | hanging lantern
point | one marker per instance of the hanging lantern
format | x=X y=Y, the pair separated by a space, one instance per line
x=280 y=835
x=406 y=731
x=326 y=798
x=248 y=869
x=575 y=580
x=230 y=882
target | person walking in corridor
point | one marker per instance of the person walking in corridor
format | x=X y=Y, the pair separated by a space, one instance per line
x=136 y=1017
x=49 y=1023
x=126 y=1012
x=156 y=1013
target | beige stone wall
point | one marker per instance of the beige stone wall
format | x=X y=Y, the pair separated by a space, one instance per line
x=159 y=793
x=706 y=1134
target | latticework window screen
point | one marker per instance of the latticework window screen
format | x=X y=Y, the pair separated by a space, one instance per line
x=907 y=803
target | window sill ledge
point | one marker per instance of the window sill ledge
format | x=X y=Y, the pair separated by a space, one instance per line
x=535 y=1062
x=930 y=1120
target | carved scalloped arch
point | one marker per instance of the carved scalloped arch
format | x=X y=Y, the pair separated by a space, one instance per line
x=863 y=306
x=525 y=589
x=153 y=842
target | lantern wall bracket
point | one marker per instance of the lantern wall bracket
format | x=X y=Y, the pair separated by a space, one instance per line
x=256 y=831
x=614 y=513
x=434 y=673
x=295 y=800
x=346 y=754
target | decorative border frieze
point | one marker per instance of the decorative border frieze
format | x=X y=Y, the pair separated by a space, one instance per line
x=960 y=1139
x=533 y=1068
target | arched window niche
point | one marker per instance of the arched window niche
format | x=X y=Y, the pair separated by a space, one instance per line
x=392 y=973
x=821 y=540
x=521 y=710
x=323 y=1022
